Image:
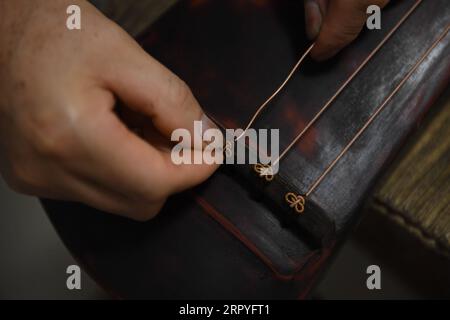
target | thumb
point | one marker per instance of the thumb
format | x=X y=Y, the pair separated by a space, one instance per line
x=342 y=23
x=148 y=87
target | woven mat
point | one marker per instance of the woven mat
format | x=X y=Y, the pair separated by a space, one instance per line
x=416 y=190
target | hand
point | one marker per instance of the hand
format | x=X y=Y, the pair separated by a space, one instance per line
x=59 y=135
x=335 y=23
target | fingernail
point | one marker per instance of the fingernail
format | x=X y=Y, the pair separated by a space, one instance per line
x=313 y=18
x=206 y=123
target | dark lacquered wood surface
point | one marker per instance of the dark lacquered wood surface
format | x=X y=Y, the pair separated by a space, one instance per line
x=224 y=239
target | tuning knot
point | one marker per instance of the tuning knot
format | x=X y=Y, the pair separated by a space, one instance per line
x=297 y=202
x=264 y=171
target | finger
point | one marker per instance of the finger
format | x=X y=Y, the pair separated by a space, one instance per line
x=71 y=186
x=114 y=158
x=315 y=10
x=88 y=191
x=146 y=131
x=106 y=199
x=342 y=24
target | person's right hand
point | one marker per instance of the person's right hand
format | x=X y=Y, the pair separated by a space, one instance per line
x=59 y=136
x=333 y=24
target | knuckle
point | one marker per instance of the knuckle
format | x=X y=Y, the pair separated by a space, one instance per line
x=51 y=135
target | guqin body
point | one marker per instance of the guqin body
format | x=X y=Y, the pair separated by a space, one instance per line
x=236 y=236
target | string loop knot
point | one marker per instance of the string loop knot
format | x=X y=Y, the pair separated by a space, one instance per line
x=265 y=171
x=297 y=202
